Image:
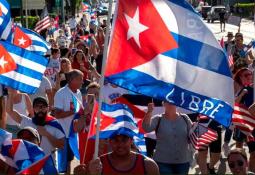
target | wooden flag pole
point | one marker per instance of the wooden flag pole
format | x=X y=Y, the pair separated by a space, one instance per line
x=106 y=42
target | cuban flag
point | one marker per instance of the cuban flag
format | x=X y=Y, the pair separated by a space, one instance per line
x=21 y=69
x=162 y=49
x=5 y=19
x=85 y=7
x=116 y=119
x=29 y=40
x=22 y=155
x=93 y=14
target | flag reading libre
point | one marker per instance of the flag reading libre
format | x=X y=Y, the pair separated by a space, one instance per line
x=163 y=49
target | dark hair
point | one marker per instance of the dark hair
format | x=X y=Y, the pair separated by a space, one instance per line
x=54 y=50
x=239 y=151
x=75 y=55
x=40 y=100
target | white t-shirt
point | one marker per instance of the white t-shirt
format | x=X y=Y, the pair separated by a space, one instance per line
x=62 y=100
x=45 y=143
x=52 y=69
x=110 y=93
x=41 y=91
x=72 y=23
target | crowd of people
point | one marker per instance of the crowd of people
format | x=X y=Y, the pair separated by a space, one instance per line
x=74 y=70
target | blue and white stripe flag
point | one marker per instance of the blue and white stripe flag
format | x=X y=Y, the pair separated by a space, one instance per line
x=21 y=69
x=163 y=49
x=5 y=19
x=29 y=40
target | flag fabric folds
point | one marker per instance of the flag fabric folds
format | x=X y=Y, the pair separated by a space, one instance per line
x=29 y=40
x=85 y=7
x=5 y=19
x=243 y=120
x=154 y=50
x=24 y=156
x=115 y=119
x=201 y=136
x=44 y=21
x=21 y=69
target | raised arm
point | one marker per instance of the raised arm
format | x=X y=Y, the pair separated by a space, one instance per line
x=9 y=109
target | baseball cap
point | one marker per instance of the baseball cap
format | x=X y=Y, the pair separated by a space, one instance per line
x=33 y=131
x=40 y=100
x=122 y=131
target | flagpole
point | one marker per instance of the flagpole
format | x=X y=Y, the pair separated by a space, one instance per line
x=106 y=42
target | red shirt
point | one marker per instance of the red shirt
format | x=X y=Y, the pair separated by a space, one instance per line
x=108 y=168
x=76 y=65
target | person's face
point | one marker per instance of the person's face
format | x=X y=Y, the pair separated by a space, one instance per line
x=65 y=66
x=77 y=82
x=28 y=136
x=246 y=77
x=40 y=112
x=230 y=37
x=239 y=40
x=56 y=55
x=12 y=91
x=121 y=145
x=237 y=164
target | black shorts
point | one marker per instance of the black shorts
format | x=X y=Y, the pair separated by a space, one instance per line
x=241 y=137
x=215 y=146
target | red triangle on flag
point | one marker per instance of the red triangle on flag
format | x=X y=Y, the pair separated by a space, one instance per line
x=21 y=39
x=36 y=167
x=104 y=122
x=7 y=63
x=139 y=35
x=1 y=12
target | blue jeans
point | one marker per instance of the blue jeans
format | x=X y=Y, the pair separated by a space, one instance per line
x=180 y=168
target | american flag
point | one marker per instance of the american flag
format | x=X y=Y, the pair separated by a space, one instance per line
x=44 y=21
x=242 y=119
x=201 y=136
x=230 y=60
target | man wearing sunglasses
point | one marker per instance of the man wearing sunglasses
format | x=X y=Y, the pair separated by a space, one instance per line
x=51 y=133
x=237 y=162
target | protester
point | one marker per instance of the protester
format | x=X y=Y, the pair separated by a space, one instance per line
x=244 y=95
x=173 y=152
x=237 y=162
x=53 y=66
x=214 y=149
x=121 y=160
x=65 y=68
x=52 y=136
x=29 y=134
x=23 y=105
x=65 y=107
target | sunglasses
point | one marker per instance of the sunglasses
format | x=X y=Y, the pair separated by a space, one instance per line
x=239 y=163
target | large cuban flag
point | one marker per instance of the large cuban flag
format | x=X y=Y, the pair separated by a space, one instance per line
x=161 y=48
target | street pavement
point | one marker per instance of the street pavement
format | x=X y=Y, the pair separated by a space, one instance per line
x=247 y=28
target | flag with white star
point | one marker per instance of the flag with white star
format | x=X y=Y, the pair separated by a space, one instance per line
x=5 y=19
x=162 y=49
x=29 y=40
x=21 y=69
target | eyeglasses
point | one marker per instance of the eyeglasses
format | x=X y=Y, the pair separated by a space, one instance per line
x=238 y=163
x=41 y=107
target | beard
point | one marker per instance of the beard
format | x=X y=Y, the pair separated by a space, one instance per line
x=39 y=118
